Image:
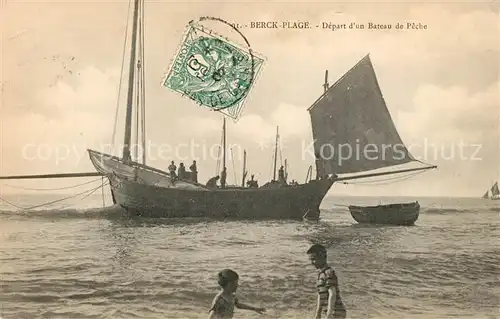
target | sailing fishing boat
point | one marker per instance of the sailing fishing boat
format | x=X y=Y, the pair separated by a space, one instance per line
x=354 y=99
x=350 y=111
x=493 y=193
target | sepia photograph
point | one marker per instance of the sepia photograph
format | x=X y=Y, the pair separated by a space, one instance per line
x=249 y=159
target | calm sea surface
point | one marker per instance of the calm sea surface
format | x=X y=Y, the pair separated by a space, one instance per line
x=89 y=263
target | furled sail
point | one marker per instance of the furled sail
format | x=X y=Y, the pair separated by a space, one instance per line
x=352 y=128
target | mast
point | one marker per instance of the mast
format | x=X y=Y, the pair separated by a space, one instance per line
x=317 y=161
x=275 y=153
x=326 y=85
x=138 y=6
x=286 y=169
x=142 y=82
x=244 y=168
x=130 y=95
x=224 y=143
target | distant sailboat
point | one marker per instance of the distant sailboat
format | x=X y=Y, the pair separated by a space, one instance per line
x=492 y=193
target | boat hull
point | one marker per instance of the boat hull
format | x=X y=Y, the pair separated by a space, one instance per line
x=393 y=214
x=292 y=202
x=149 y=192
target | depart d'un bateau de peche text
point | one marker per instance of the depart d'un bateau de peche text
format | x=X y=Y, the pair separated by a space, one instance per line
x=374 y=26
x=331 y=25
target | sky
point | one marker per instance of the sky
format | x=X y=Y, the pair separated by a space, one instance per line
x=60 y=73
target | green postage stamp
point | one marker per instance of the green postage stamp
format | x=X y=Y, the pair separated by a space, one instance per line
x=213 y=72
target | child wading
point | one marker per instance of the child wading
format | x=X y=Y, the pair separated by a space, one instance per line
x=329 y=301
x=225 y=301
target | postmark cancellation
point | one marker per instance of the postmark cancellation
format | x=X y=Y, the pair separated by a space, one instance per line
x=213 y=71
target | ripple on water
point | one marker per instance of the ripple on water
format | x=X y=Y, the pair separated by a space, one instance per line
x=86 y=267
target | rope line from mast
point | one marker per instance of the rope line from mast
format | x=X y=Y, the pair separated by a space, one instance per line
x=93 y=191
x=234 y=167
x=137 y=112
x=271 y=168
x=121 y=76
x=90 y=191
x=280 y=149
x=422 y=162
x=143 y=83
x=140 y=96
x=217 y=168
x=50 y=189
x=102 y=191
x=274 y=157
x=383 y=181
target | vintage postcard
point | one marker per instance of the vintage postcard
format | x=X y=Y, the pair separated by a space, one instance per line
x=252 y=159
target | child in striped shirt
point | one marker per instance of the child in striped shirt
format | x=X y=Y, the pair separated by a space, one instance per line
x=329 y=302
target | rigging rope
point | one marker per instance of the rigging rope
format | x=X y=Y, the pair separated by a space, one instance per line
x=287 y=166
x=422 y=162
x=274 y=158
x=92 y=192
x=234 y=168
x=50 y=189
x=271 y=168
x=143 y=83
x=10 y=203
x=381 y=181
x=137 y=109
x=54 y=201
x=217 y=168
x=279 y=145
x=340 y=205
x=140 y=129
x=102 y=192
x=121 y=76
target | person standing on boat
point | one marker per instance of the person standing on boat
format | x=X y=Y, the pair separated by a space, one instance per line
x=212 y=183
x=194 y=172
x=223 y=176
x=281 y=175
x=329 y=302
x=182 y=171
x=172 y=168
x=318 y=165
x=252 y=183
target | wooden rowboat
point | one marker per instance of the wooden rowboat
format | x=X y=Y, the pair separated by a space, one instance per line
x=392 y=214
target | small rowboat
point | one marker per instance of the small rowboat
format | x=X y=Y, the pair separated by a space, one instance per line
x=391 y=214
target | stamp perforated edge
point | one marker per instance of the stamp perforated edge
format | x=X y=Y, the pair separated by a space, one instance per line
x=196 y=25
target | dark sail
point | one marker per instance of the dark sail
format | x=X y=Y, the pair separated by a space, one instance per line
x=494 y=190
x=352 y=128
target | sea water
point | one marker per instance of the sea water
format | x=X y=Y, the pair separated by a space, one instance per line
x=89 y=262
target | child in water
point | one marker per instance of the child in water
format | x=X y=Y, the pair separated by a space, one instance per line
x=225 y=301
x=329 y=301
